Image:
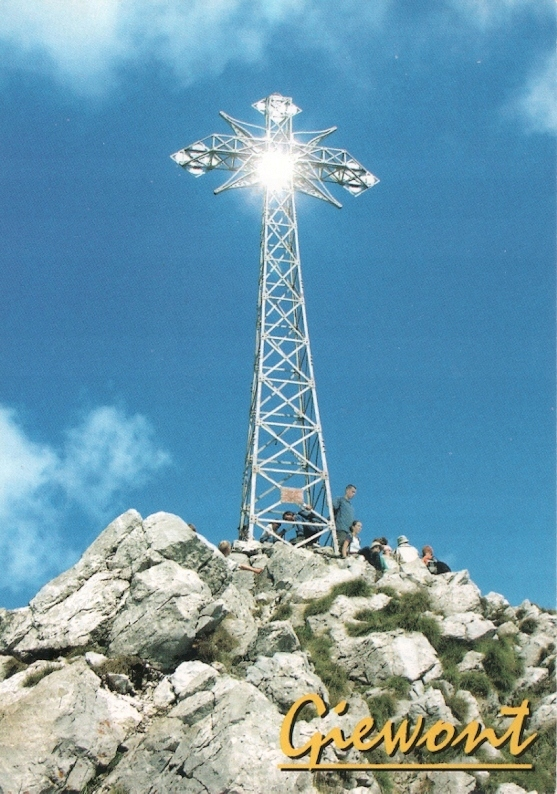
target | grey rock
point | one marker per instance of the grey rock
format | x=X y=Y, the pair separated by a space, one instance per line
x=467 y=626
x=76 y=717
x=531 y=677
x=472 y=661
x=545 y=715
x=8 y=666
x=161 y=616
x=507 y=629
x=95 y=660
x=284 y=678
x=232 y=747
x=172 y=538
x=452 y=782
x=431 y=704
x=379 y=656
x=192 y=677
x=494 y=605
x=275 y=637
x=82 y=772
x=82 y=618
x=120 y=683
x=472 y=707
x=511 y=788
x=194 y=707
x=289 y=566
x=534 y=647
x=455 y=593
x=164 y=695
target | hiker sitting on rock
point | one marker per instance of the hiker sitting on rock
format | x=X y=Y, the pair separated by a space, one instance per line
x=404 y=552
x=275 y=529
x=351 y=544
x=305 y=529
x=388 y=562
x=225 y=548
x=434 y=565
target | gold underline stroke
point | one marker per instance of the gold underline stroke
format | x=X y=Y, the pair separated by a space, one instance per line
x=395 y=767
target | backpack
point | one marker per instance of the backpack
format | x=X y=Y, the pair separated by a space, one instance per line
x=435 y=566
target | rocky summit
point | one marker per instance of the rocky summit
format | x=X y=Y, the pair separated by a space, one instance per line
x=154 y=666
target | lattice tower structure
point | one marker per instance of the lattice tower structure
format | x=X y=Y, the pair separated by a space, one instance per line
x=285 y=464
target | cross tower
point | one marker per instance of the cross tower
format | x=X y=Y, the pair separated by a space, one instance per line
x=285 y=466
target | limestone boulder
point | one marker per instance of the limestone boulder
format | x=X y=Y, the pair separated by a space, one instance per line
x=454 y=593
x=343 y=610
x=55 y=735
x=472 y=707
x=545 y=714
x=81 y=619
x=278 y=636
x=507 y=629
x=399 y=582
x=170 y=536
x=467 y=626
x=531 y=678
x=226 y=739
x=75 y=608
x=534 y=647
x=192 y=677
x=289 y=566
x=472 y=661
x=494 y=605
x=450 y=782
x=431 y=705
x=285 y=677
x=161 y=615
x=317 y=588
x=380 y=655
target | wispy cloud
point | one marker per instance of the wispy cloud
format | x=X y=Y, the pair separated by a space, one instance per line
x=86 y=45
x=537 y=103
x=105 y=456
x=492 y=13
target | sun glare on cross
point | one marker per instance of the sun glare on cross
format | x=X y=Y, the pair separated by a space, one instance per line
x=275 y=169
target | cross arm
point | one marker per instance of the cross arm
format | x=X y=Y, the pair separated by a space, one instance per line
x=338 y=166
x=224 y=152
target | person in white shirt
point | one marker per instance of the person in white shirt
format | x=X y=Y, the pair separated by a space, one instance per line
x=351 y=544
x=404 y=552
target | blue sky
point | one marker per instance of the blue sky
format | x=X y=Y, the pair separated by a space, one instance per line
x=129 y=290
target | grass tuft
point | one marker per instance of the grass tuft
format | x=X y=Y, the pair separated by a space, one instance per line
x=501 y=663
x=282 y=612
x=37 y=675
x=353 y=589
x=215 y=647
x=319 y=648
x=475 y=682
x=402 y=612
x=12 y=667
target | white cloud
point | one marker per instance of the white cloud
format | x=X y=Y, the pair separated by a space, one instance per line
x=102 y=458
x=537 y=104
x=489 y=13
x=85 y=44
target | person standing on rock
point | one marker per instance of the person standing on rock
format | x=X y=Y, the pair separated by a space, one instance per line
x=404 y=552
x=344 y=514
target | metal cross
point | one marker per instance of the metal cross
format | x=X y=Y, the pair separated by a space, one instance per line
x=285 y=465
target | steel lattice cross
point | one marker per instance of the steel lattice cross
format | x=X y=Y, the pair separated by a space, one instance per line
x=286 y=467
